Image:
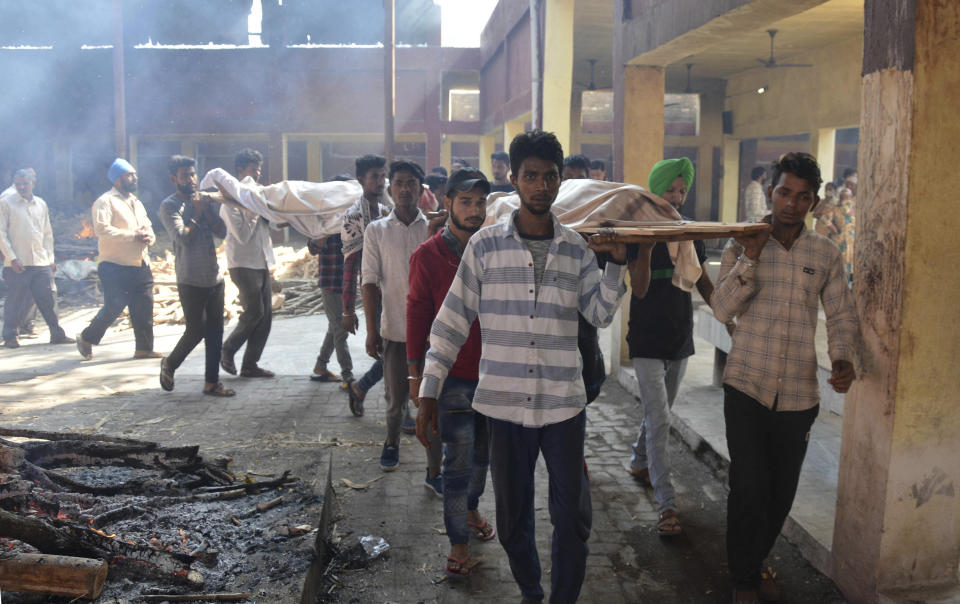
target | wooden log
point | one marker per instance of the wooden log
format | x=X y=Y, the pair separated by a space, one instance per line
x=42 y=435
x=53 y=575
x=217 y=597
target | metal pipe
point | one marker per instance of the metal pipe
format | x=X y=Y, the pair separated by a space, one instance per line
x=119 y=83
x=535 y=66
x=389 y=76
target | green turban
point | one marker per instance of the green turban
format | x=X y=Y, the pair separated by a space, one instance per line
x=666 y=171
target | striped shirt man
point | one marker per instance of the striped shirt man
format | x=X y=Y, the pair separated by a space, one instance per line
x=530 y=370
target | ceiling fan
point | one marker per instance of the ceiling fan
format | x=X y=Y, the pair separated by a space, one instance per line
x=771 y=63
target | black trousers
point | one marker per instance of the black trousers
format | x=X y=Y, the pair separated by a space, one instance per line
x=253 y=327
x=203 y=312
x=124 y=287
x=34 y=284
x=767 y=448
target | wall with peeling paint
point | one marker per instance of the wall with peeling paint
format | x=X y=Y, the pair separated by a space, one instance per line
x=799 y=99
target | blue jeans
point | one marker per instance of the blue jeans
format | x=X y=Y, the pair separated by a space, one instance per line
x=513 y=456
x=659 y=380
x=466 y=455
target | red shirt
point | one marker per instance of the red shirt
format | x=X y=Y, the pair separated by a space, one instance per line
x=432 y=269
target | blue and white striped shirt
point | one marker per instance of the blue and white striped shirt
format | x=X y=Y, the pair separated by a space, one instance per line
x=530 y=366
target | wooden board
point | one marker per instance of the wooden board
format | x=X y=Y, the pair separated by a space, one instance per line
x=632 y=232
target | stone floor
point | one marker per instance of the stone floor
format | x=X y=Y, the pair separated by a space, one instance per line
x=293 y=423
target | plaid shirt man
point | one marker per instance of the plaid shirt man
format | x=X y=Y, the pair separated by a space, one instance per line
x=775 y=301
x=329 y=263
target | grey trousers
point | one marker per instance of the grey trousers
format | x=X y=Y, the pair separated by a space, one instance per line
x=34 y=284
x=398 y=395
x=336 y=338
x=253 y=326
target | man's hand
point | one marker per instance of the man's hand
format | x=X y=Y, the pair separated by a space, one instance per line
x=53 y=267
x=753 y=244
x=435 y=221
x=349 y=322
x=16 y=266
x=842 y=376
x=427 y=420
x=374 y=345
x=609 y=243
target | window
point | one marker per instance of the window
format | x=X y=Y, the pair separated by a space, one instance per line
x=464 y=105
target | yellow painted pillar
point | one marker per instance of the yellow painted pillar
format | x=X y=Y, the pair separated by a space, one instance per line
x=558 y=69
x=314 y=160
x=445 y=152
x=488 y=145
x=898 y=507
x=510 y=131
x=188 y=147
x=823 y=144
x=642 y=122
x=730 y=187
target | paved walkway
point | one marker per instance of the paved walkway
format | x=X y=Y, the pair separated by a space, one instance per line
x=292 y=423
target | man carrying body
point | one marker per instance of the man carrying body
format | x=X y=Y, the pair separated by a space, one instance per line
x=329 y=253
x=388 y=244
x=772 y=283
x=249 y=260
x=26 y=242
x=754 y=198
x=123 y=235
x=526 y=279
x=464 y=432
x=371 y=173
x=192 y=220
x=660 y=338
x=501 y=172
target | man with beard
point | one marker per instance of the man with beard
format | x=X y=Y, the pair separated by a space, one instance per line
x=192 y=220
x=526 y=279
x=464 y=432
x=388 y=244
x=123 y=235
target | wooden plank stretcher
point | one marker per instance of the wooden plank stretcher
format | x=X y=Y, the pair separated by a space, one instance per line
x=679 y=230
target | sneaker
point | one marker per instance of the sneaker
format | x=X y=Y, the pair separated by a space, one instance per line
x=434 y=484
x=85 y=348
x=389 y=457
x=409 y=425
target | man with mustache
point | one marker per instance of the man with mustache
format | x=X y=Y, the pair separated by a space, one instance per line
x=773 y=283
x=464 y=432
x=124 y=232
x=192 y=220
x=526 y=279
x=388 y=244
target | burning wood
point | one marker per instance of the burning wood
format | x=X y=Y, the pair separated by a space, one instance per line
x=53 y=575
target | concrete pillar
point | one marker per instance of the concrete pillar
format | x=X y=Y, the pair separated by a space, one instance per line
x=558 y=69
x=576 y=108
x=488 y=144
x=643 y=90
x=445 y=153
x=730 y=190
x=63 y=172
x=314 y=160
x=510 y=131
x=823 y=144
x=433 y=148
x=898 y=509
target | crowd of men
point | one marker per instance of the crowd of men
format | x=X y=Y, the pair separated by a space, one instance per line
x=478 y=328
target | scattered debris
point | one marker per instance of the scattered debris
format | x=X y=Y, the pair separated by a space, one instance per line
x=360 y=486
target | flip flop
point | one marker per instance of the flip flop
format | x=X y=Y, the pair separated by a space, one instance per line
x=669 y=525
x=457 y=569
x=326 y=376
x=356 y=401
x=482 y=530
x=166 y=375
x=257 y=372
x=219 y=390
x=226 y=361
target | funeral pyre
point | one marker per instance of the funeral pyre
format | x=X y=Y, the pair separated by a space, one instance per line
x=153 y=520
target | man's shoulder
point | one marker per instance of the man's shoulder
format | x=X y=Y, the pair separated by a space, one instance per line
x=171 y=203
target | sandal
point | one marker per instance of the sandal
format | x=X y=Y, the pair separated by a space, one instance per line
x=669 y=525
x=166 y=375
x=457 y=569
x=325 y=376
x=226 y=361
x=356 y=400
x=257 y=372
x=482 y=530
x=219 y=390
